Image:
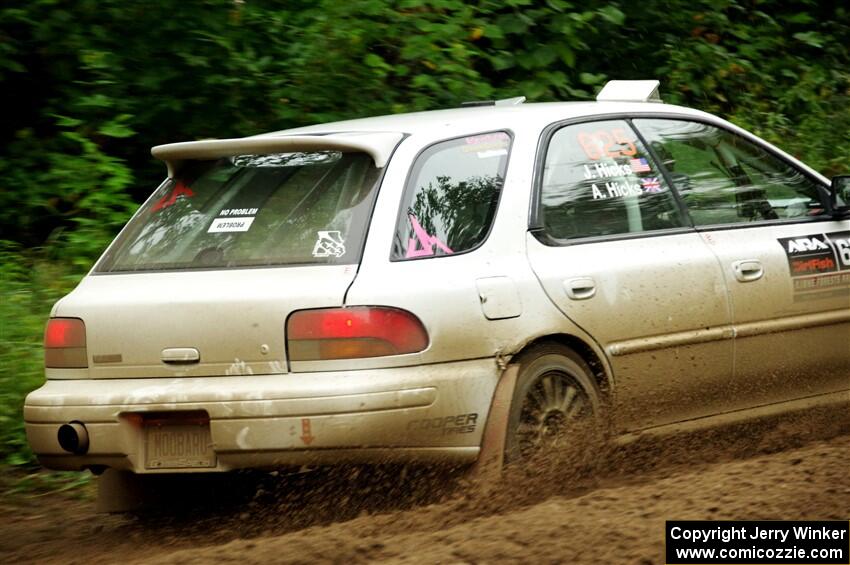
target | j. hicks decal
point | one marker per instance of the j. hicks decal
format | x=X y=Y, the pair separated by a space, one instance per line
x=329 y=244
x=816 y=254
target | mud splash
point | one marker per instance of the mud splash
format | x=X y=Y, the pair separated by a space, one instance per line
x=607 y=509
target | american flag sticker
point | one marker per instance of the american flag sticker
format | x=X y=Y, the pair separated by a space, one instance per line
x=651 y=184
x=639 y=165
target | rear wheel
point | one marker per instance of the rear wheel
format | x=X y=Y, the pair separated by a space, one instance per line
x=555 y=408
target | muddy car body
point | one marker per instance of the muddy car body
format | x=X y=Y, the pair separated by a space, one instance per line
x=426 y=285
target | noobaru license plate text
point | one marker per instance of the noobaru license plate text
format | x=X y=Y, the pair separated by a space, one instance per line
x=178 y=446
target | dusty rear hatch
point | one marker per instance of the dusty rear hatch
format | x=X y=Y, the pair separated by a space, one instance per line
x=202 y=279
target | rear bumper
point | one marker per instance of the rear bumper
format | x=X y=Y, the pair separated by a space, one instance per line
x=420 y=414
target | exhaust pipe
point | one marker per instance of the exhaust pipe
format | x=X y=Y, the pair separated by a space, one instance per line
x=74 y=438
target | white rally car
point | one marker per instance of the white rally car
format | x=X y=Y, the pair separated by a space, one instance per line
x=443 y=285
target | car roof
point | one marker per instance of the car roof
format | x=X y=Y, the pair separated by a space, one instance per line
x=380 y=134
x=490 y=117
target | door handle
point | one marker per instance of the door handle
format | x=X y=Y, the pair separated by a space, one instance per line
x=180 y=355
x=580 y=288
x=748 y=270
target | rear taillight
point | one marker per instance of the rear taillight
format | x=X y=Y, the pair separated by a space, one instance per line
x=349 y=333
x=65 y=344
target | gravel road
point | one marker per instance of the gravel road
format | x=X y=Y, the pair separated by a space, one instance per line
x=613 y=512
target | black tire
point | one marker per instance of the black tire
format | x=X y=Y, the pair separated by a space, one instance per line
x=556 y=405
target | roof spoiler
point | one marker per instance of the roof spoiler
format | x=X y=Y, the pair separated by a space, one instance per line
x=378 y=145
x=630 y=91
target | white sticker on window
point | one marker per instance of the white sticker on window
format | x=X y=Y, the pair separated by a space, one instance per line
x=492 y=153
x=329 y=244
x=238 y=212
x=230 y=224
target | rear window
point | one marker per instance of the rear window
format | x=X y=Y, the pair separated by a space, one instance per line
x=451 y=196
x=252 y=210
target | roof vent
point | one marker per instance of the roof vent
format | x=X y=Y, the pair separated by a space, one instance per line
x=629 y=91
x=474 y=103
x=516 y=101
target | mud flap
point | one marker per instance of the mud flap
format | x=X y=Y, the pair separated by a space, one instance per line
x=120 y=491
x=124 y=491
x=492 y=455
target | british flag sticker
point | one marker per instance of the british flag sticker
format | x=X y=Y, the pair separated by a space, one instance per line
x=651 y=184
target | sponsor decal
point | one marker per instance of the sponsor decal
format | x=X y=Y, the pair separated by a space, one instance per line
x=499 y=137
x=818 y=261
x=329 y=244
x=231 y=224
x=445 y=425
x=817 y=253
x=491 y=153
x=233 y=220
x=815 y=265
x=487 y=145
x=238 y=212
x=822 y=282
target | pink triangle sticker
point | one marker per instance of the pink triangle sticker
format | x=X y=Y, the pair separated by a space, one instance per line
x=422 y=244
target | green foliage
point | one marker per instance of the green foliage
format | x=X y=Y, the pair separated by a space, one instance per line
x=89 y=86
x=778 y=69
x=29 y=285
x=67 y=184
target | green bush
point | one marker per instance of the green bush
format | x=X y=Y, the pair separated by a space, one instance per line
x=29 y=285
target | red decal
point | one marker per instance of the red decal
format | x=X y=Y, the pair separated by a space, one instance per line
x=180 y=189
x=813 y=265
x=306 y=436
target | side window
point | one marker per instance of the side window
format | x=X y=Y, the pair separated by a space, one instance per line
x=724 y=178
x=599 y=180
x=451 y=196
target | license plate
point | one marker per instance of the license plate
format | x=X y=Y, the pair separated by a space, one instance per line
x=178 y=446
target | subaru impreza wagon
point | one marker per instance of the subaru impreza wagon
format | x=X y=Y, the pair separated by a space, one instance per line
x=436 y=286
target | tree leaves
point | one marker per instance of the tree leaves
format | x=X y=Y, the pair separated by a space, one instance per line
x=126 y=77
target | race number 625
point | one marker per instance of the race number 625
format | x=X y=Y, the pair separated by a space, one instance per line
x=602 y=143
